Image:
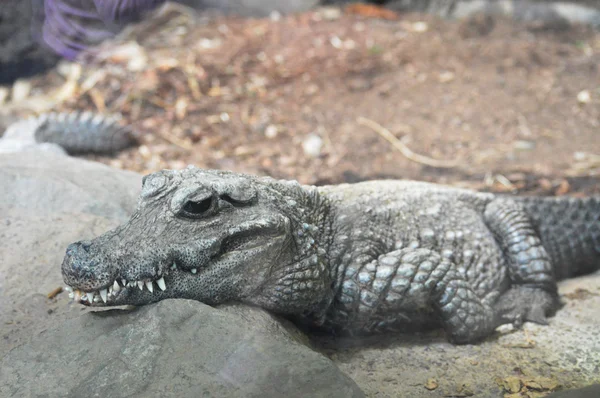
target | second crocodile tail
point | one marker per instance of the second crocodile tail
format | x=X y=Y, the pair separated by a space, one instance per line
x=84 y=132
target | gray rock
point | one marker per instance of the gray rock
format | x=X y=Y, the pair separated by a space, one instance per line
x=252 y=8
x=48 y=183
x=551 y=13
x=47 y=201
x=174 y=348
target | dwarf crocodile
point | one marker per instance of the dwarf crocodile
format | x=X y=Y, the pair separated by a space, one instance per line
x=358 y=258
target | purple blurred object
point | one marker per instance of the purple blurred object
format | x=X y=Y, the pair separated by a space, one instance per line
x=124 y=11
x=70 y=26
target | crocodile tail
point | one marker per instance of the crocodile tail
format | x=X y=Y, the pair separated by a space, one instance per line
x=570 y=231
x=84 y=132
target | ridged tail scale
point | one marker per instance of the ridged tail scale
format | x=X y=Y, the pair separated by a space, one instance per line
x=84 y=132
x=570 y=231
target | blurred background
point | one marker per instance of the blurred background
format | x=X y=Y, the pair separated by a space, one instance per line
x=491 y=95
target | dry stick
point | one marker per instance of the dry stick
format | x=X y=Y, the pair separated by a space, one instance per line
x=175 y=141
x=54 y=292
x=404 y=150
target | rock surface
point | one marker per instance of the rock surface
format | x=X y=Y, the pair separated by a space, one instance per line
x=48 y=201
x=48 y=183
x=176 y=348
x=252 y=8
x=563 y=355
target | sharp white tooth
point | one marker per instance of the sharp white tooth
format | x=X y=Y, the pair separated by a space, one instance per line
x=131 y=284
x=149 y=286
x=110 y=290
x=123 y=282
x=116 y=287
x=103 y=293
x=140 y=285
x=90 y=297
x=174 y=266
x=194 y=270
x=161 y=284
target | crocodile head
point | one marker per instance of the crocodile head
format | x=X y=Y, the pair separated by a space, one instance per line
x=211 y=236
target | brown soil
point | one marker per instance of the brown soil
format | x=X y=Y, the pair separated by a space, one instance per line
x=517 y=107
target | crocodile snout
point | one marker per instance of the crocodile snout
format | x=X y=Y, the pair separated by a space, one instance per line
x=78 y=266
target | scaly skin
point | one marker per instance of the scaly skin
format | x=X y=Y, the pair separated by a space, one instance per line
x=362 y=258
x=70 y=132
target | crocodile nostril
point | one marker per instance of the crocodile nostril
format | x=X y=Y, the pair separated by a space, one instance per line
x=78 y=248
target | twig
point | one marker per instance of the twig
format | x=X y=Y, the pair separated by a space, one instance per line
x=54 y=292
x=174 y=140
x=98 y=99
x=404 y=150
x=504 y=181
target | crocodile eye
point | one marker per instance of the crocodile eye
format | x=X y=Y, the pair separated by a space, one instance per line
x=193 y=209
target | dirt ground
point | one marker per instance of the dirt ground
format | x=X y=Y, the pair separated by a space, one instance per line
x=334 y=96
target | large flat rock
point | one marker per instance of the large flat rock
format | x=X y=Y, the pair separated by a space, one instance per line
x=48 y=183
x=47 y=202
x=175 y=348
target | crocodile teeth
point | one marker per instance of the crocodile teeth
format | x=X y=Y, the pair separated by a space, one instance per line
x=90 y=297
x=103 y=294
x=140 y=285
x=149 y=286
x=123 y=282
x=161 y=284
x=116 y=287
x=194 y=270
x=131 y=284
x=110 y=291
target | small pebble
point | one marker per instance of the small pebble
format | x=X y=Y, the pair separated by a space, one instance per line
x=312 y=145
x=523 y=145
x=271 y=131
x=420 y=27
x=330 y=13
x=584 y=97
